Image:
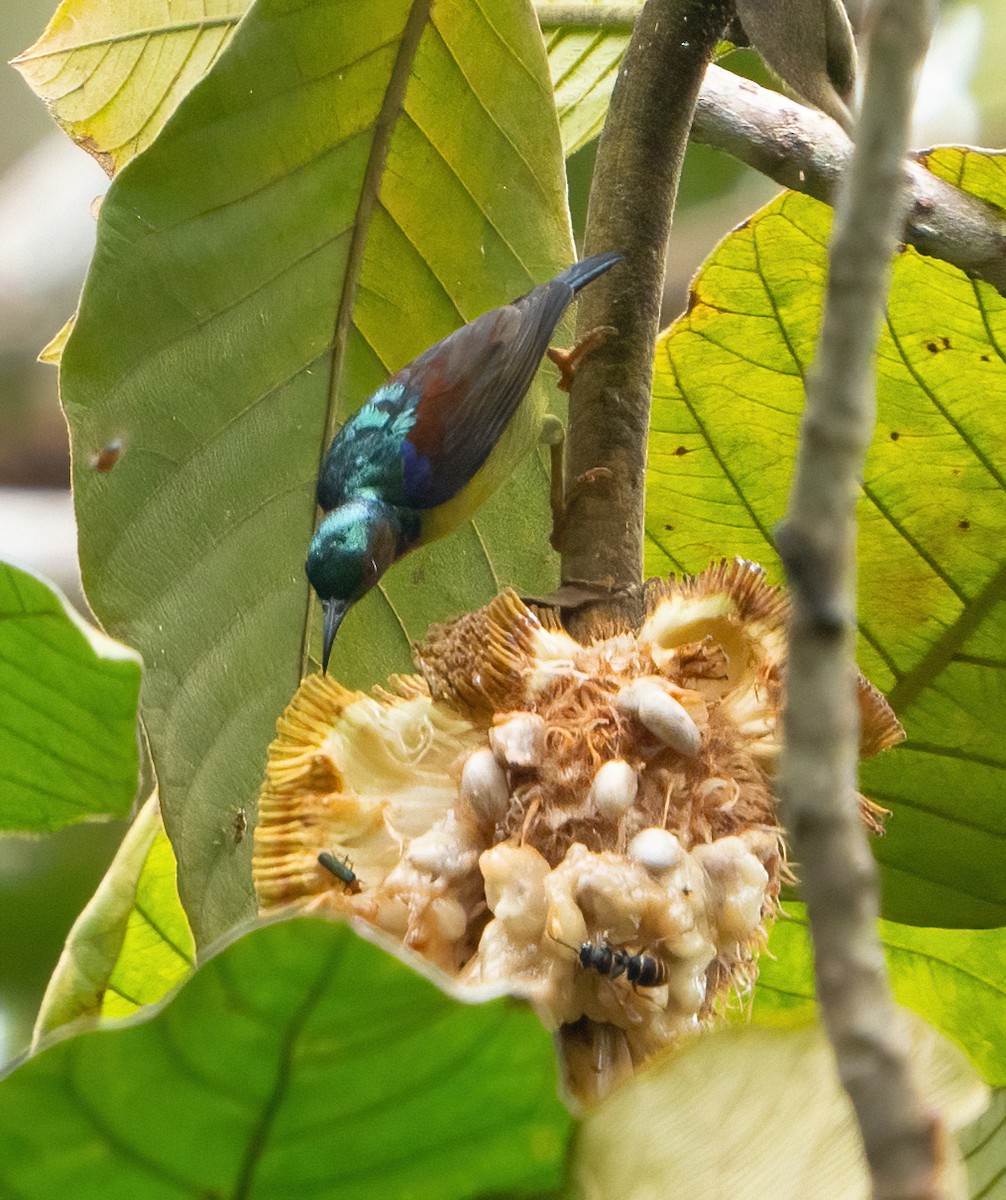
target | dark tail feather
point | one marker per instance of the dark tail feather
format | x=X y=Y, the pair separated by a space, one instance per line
x=582 y=273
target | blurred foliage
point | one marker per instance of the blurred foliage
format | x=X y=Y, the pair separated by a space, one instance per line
x=43 y=886
x=984 y=1146
x=939 y=973
x=27 y=120
x=772 y=1121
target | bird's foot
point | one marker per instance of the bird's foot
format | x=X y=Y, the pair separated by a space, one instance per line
x=568 y=360
x=554 y=436
x=562 y=500
x=586 y=480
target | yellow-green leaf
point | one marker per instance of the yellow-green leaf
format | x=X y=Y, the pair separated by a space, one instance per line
x=112 y=74
x=131 y=944
x=52 y=351
x=728 y=394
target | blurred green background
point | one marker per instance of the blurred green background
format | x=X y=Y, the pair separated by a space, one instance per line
x=44 y=883
x=46 y=231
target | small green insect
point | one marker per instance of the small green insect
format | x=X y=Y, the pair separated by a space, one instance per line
x=342 y=869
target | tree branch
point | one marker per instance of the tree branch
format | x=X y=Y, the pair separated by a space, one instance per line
x=802 y=149
x=612 y=18
x=631 y=203
x=818 y=775
x=805 y=150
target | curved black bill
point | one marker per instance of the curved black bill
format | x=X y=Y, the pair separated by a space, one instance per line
x=335 y=610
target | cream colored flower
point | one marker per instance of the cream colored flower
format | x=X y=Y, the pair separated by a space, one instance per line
x=592 y=826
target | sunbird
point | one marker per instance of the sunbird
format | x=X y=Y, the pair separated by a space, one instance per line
x=417 y=458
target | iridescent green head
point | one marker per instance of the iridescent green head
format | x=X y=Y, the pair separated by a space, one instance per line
x=351 y=549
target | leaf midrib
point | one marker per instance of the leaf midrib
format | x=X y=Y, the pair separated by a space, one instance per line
x=940 y=654
x=131 y=35
x=391 y=110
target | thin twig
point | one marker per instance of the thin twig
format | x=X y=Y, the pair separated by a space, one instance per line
x=818 y=776
x=805 y=150
x=631 y=203
x=802 y=149
x=612 y=18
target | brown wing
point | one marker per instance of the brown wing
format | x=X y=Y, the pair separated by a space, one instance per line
x=466 y=388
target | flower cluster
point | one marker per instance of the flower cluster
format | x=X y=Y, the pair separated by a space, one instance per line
x=592 y=826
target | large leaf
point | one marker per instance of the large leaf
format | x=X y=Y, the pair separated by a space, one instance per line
x=749 y=1113
x=348 y=184
x=68 y=745
x=301 y=1061
x=728 y=394
x=954 y=978
x=131 y=944
x=112 y=74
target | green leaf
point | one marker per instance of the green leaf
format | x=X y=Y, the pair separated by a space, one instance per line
x=68 y=744
x=955 y=979
x=348 y=184
x=984 y=1146
x=583 y=61
x=131 y=944
x=300 y=1061
x=112 y=74
x=749 y=1113
x=728 y=394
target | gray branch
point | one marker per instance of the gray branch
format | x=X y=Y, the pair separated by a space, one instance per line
x=612 y=18
x=803 y=149
x=631 y=202
x=901 y=1138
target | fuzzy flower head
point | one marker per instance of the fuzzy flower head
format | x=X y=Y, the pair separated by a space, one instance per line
x=592 y=826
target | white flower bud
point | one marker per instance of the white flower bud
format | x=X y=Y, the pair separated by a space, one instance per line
x=613 y=789
x=656 y=849
x=484 y=786
x=519 y=741
x=662 y=715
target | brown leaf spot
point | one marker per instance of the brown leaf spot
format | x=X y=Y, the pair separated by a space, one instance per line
x=107 y=456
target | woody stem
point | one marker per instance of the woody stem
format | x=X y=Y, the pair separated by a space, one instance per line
x=631 y=205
